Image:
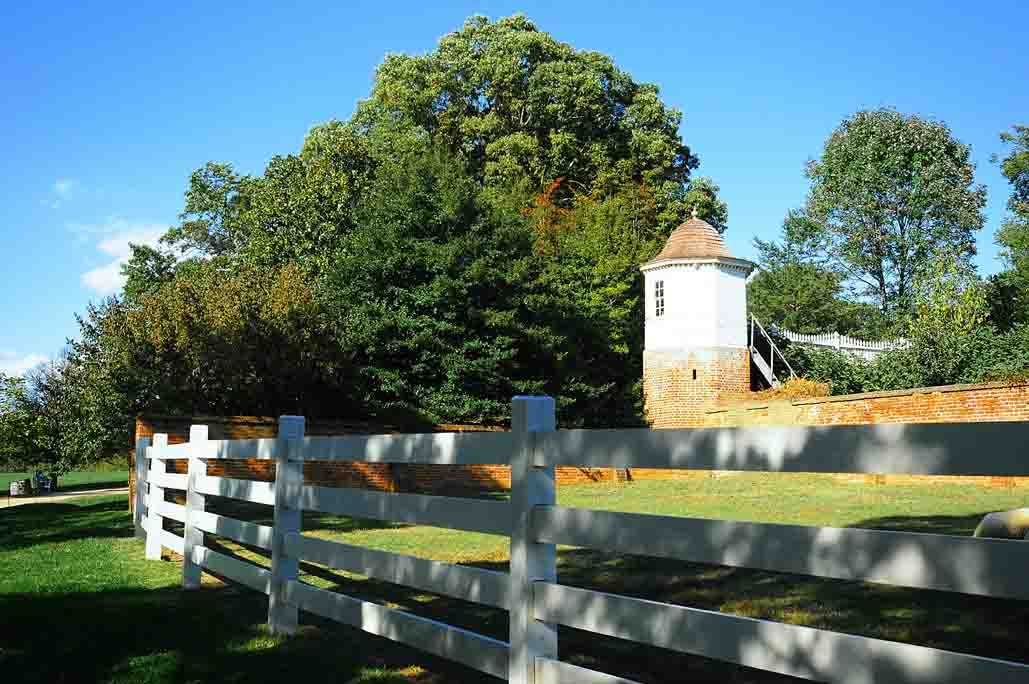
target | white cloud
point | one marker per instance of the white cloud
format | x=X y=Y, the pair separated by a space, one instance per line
x=18 y=364
x=113 y=239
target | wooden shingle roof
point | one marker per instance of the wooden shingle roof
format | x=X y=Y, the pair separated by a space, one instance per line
x=695 y=239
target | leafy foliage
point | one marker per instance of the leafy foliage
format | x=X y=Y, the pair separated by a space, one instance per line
x=1010 y=295
x=891 y=192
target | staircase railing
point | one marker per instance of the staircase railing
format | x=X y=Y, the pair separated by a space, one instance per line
x=756 y=327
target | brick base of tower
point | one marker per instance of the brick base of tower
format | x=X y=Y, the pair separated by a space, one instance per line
x=680 y=386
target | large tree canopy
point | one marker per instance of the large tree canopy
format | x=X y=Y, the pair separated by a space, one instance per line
x=893 y=192
x=527 y=110
x=472 y=232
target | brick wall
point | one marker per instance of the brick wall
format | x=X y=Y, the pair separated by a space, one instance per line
x=948 y=404
x=679 y=388
x=389 y=477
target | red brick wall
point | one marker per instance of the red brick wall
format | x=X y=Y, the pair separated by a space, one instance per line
x=679 y=389
x=948 y=404
x=387 y=477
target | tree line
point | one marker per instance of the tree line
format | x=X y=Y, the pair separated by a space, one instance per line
x=473 y=232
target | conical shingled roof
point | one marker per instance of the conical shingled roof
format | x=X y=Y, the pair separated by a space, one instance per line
x=695 y=239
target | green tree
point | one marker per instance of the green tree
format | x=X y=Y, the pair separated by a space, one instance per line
x=526 y=111
x=17 y=425
x=799 y=288
x=892 y=192
x=146 y=270
x=702 y=200
x=1010 y=296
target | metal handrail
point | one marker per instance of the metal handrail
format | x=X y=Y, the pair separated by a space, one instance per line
x=774 y=349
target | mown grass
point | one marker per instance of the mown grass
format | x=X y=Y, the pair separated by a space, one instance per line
x=79 y=603
x=99 y=478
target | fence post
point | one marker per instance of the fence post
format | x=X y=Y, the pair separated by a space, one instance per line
x=289 y=478
x=154 y=519
x=192 y=537
x=139 y=501
x=531 y=485
x=838 y=341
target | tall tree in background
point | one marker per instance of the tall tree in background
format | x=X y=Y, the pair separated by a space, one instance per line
x=526 y=111
x=799 y=287
x=1010 y=299
x=892 y=192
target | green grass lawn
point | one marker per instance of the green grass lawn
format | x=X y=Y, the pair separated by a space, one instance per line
x=76 y=481
x=79 y=603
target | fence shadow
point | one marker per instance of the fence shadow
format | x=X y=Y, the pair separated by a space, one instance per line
x=31 y=524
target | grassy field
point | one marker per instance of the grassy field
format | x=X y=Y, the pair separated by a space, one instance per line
x=114 y=474
x=79 y=603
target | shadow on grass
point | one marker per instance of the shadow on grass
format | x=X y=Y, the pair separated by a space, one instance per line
x=169 y=635
x=216 y=634
x=44 y=523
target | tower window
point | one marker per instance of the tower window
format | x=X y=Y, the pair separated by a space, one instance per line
x=659 y=298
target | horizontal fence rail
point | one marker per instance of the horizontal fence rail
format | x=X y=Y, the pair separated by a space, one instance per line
x=442 y=448
x=474 y=650
x=787 y=649
x=241 y=571
x=536 y=601
x=240 y=531
x=459 y=581
x=908 y=559
x=474 y=515
x=895 y=448
x=231 y=488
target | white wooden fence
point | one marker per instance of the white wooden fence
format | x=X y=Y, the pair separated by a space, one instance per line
x=532 y=593
x=866 y=349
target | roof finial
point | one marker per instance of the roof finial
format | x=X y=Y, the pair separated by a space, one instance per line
x=696 y=211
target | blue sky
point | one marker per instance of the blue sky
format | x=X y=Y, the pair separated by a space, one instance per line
x=107 y=110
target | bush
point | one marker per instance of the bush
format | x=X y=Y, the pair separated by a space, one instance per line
x=795 y=388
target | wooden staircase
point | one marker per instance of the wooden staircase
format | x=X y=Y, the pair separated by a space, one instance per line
x=763 y=351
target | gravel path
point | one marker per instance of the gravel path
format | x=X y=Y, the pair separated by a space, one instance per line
x=59 y=496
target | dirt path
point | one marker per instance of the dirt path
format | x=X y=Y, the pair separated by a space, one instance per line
x=59 y=496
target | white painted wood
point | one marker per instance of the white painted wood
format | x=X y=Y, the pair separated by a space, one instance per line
x=167 y=480
x=289 y=479
x=460 y=581
x=464 y=448
x=531 y=561
x=556 y=672
x=168 y=510
x=989 y=567
x=232 y=568
x=194 y=504
x=241 y=531
x=170 y=540
x=249 y=449
x=804 y=652
x=468 y=648
x=477 y=515
x=155 y=521
x=919 y=449
x=139 y=502
x=168 y=452
x=244 y=490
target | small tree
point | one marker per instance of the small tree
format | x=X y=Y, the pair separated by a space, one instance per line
x=950 y=321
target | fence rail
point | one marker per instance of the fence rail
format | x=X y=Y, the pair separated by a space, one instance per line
x=536 y=601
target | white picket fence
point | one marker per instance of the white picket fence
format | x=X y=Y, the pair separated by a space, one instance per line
x=532 y=593
x=866 y=349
